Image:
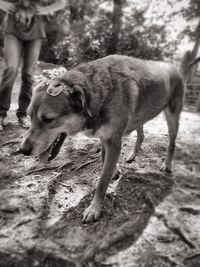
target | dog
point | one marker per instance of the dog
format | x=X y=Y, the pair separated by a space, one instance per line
x=24 y=15
x=107 y=98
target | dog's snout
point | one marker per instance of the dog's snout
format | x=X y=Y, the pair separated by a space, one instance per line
x=26 y=148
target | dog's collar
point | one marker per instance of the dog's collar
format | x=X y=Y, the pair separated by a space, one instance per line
x=90 y=123
x=94 y=122
x=55 y=88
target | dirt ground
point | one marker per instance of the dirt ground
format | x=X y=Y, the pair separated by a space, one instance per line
x=149 y=218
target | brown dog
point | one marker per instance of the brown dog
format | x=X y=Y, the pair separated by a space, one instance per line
x=108 y=98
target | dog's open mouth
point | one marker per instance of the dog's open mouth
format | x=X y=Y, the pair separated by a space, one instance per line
x=53 y=150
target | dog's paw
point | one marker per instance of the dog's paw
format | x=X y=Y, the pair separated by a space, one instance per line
x=165 y=168
x=91 y=213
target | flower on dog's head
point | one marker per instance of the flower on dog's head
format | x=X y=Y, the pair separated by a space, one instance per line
x=56 y=88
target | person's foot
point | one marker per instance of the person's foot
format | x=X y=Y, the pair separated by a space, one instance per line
x=24 y=122
x=2 y=123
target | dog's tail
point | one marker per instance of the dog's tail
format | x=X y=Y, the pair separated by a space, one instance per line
x=187 y=64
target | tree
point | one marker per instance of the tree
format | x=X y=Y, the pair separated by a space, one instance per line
x=193 y=13
x=124 y=29
x=116 y=26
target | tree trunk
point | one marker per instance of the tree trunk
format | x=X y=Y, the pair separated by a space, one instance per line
x=190 y=56
x=77 y=10
x=188 y=70
x=194 y=54
x=197 y=42
x=195 y=50
x=198 y=104
x=116 y=26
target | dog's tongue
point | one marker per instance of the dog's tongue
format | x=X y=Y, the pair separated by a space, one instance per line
x=43 y=158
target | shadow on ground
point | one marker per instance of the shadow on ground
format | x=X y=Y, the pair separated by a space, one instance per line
x=66 y=240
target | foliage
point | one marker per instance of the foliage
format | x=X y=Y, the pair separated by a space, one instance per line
x=193 y=10
x=1 y=21
x=88 y=37
x=192 y=15
x=84 y=30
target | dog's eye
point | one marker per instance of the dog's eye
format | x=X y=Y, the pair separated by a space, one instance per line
x=47 y=120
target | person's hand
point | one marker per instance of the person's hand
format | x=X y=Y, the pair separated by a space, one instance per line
x=42 y=11
x=8 y=7
x=50 y=9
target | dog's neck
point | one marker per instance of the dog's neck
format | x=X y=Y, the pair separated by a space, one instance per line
x=90 y=123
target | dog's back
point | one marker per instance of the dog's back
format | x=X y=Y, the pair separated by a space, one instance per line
x=134 y=88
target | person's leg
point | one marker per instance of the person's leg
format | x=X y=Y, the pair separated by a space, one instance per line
x=12 y=56
x=30 y=58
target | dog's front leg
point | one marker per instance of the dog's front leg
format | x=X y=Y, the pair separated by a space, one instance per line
x=112 y=150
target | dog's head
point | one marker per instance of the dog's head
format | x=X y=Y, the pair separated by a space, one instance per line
x=58 y=108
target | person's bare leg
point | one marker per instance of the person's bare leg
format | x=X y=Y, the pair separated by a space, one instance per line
x=30 y=58
x=12 y=57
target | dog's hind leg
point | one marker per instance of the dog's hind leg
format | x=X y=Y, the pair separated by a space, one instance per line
x=172 y=114
x=139 y=141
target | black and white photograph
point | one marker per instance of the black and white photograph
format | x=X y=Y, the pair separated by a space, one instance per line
x=99 y=133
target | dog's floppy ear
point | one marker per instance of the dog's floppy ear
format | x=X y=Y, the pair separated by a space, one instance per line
x=79 y=99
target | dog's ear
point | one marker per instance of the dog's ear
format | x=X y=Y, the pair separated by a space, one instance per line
x=80 y=100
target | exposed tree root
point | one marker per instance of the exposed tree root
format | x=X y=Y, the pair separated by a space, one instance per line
x=23 y=221
x=60 y=167
x=67 y=164
x=49 y=168
x=175 y=228
x=131 y=228
x=46 y=256
x=11 y=142
x=195 y=210
x=46 y=168
x=67 y=186
x=171 y=261
x=52 y=181
x=191 y=186
x=86 y=163
x=192 y=256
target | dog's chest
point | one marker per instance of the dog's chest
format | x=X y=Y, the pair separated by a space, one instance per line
x=104 y=132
